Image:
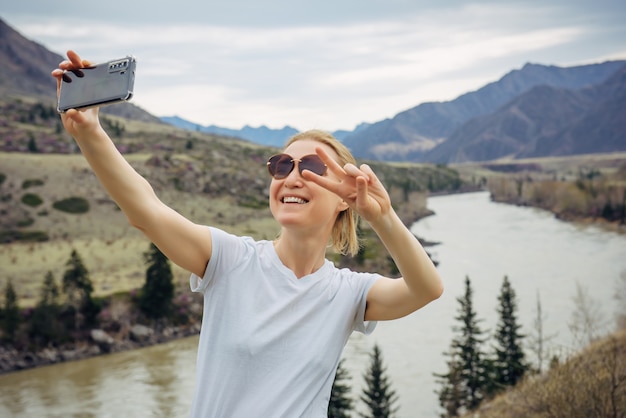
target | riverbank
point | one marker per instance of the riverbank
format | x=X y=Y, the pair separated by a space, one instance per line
x=480 y=239
x=119 y=335
x=98 y=343
x=612 y=226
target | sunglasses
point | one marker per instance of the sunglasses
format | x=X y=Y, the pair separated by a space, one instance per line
x=280 y=165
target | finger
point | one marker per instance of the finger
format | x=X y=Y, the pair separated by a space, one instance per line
x=353 y=171
x=361 y=193
x=372 y=177
x=325 y=182
x=329 y=161
x=58 y=74
x=75 y=59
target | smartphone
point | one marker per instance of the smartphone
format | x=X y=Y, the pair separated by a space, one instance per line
x=97 y=85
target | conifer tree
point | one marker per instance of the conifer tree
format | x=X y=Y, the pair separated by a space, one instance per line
x=509 y=364
x=451 y=394
x=44 y=326
x=378 y=395
x=467 y=381
x=11 y=313
x=340 y=403
x=158 y=290
x=77 y=287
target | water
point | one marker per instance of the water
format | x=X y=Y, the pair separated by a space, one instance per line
x=479 y=239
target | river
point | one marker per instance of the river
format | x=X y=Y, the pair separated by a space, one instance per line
x=478 y=238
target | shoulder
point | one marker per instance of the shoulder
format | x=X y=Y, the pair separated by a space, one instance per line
x=222 y=238
x=356 y=280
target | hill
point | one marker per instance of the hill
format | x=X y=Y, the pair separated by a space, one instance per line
x=497 y=120
x=260 y=135
x=545 y=121
x=411 y=134
x=213 y=180
x=591 y=383
x=25 y=72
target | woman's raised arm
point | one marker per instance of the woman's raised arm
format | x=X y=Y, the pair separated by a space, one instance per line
x=185 y=243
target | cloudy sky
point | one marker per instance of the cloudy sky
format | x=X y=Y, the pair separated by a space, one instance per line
x=327 y=64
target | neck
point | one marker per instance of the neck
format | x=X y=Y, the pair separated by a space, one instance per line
x=302 y=255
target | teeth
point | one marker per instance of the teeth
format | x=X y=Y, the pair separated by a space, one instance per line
x=293 y=199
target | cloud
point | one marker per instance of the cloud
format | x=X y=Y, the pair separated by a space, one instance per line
x=329 y=71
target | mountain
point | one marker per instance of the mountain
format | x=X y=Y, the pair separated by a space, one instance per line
x=412 y=133
x=545 y=121
x=534 y=111
x=25 y=71
x=261 y=135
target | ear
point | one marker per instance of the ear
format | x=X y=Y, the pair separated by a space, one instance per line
x=343 y=206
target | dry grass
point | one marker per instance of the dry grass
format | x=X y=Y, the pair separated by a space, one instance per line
x=590 y=384
x=211 y=180
x=110 y=248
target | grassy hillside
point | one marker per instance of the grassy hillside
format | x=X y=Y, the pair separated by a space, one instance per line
x=212 y=180
x=589 y=384
x=110 y=248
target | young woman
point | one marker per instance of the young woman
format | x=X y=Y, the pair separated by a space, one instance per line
x=277 y=314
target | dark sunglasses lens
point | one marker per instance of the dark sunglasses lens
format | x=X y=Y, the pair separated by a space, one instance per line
x=312 y=163
x=280 y=166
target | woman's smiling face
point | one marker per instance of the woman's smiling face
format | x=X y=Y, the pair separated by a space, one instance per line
x=296 y=202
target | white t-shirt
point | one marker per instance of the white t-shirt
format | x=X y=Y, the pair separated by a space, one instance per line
x=270 y=342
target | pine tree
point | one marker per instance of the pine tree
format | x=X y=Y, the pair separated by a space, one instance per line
x=32 y=145
x=78 y=288
x=378 y=395
x=11 y=313
x=451 y=394
x=340 y=403
x=158 y=290
x=45 y=327
x=510 y=364
x=467 y=381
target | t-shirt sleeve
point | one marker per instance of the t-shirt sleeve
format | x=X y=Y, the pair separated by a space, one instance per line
x=227 y=250
x=365 y=282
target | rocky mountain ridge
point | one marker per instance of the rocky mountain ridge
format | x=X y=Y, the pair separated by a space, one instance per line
x=537 y=110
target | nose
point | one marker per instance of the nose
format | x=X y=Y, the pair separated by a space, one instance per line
x=294 y=178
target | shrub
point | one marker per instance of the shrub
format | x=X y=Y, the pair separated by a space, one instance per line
x=32 y=183
x=32 y=199
x=3 y=177
x=29 y=236
x=23 y=223
x=72 y=205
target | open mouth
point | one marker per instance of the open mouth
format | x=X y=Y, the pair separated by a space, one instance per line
x=293 y=199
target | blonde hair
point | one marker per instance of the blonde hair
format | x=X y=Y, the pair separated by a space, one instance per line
x=343 y=237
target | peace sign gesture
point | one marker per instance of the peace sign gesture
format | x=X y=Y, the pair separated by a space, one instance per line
x=357 y=186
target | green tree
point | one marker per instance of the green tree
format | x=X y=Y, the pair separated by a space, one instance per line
x=158 y=290
x=11 y=313
x=451 y=393
x=378 y=395
x=509 y=363
x=32 y=144
x=45 y=327
x=467 y=381
x=340 y=403
x=77 y=287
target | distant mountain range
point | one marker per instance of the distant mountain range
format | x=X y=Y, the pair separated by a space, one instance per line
x=544 y=121
x=532 y=112
x=514 y=117
x=261 y=135
x=537 y=110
